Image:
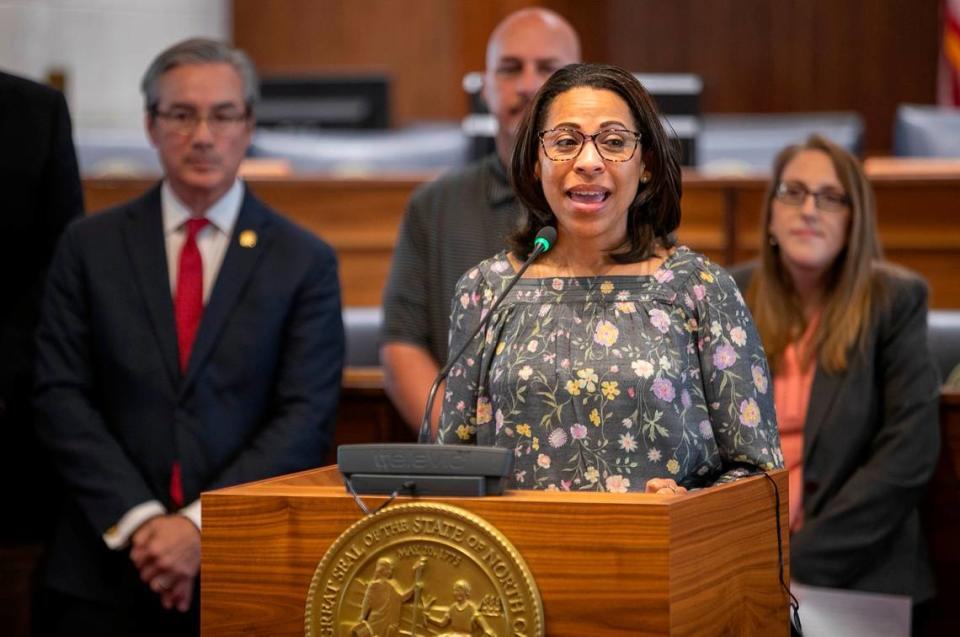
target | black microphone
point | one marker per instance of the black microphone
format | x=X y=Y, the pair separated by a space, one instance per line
x=420 y=469
x=542 y=243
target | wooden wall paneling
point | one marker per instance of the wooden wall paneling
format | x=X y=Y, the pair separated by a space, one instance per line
x=100 y=193
x=359 y=218
x=416 y=42
x=939 y=266
x=703 y=218
x=919 y=212
x=747 y=201
x=757 y=56
x=590 y=21
x=754 y=55
x=426 y=45
x=894 y=62
x=920 y=229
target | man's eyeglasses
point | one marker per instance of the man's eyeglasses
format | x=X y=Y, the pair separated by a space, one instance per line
x=185 y=122
x=612 y=144
x=794 y=193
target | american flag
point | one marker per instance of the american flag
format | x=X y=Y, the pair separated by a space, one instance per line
x=948 y=84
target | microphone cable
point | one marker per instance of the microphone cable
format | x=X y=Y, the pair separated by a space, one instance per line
x=793 y=602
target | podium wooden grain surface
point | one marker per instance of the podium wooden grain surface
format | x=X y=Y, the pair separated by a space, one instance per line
x=606 y=564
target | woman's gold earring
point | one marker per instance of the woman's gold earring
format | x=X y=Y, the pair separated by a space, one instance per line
x=645 y=177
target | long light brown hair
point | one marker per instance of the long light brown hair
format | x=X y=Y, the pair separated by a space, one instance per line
x=851 y=287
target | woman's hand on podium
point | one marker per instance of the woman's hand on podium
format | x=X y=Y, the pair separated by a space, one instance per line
x=664 y=486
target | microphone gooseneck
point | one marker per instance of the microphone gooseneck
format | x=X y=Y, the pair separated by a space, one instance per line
x=543 y=242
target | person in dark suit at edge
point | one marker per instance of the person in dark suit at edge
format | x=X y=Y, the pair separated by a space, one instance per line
x=41 y=190
x=855 y=385
x=191 y=339
x=465 y=216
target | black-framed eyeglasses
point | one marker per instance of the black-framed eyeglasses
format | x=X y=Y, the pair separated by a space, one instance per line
x=185 y=121
x=612 y=144
x=794 y=193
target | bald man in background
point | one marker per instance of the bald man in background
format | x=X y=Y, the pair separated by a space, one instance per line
x=465 y=216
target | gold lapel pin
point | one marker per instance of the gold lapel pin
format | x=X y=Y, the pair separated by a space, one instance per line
x=248 y=238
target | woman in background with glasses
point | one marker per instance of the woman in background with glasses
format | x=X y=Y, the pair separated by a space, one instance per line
x=620 y=361
x=856 y=389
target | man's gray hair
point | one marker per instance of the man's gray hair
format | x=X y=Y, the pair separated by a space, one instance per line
x=199 y=51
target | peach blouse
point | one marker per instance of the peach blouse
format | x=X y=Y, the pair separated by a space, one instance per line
x=791 y=391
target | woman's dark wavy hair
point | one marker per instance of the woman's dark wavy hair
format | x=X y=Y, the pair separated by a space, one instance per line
x=655 y=212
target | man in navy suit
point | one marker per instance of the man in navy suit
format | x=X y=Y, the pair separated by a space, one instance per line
x=191 y=339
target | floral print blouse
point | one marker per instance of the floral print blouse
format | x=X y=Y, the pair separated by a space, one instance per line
x=601 y=383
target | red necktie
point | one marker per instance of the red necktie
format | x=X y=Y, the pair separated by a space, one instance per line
x=188 y=305
x=188 y=309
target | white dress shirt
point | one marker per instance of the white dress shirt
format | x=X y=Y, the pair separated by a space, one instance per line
x=212 y=240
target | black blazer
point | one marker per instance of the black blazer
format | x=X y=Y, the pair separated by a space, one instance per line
x=39 y=195
x=258 y=398
x=871 y=442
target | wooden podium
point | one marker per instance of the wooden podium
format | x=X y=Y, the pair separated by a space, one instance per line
x=699 y=564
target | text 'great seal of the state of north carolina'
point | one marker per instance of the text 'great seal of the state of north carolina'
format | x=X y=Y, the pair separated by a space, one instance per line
x=423 y=570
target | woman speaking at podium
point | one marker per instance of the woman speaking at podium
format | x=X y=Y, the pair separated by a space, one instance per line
x=620 y=361
x=856 y=387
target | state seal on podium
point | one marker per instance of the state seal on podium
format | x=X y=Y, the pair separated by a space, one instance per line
x=428 y=570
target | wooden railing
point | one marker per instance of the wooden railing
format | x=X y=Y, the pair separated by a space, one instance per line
x=919 y=220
